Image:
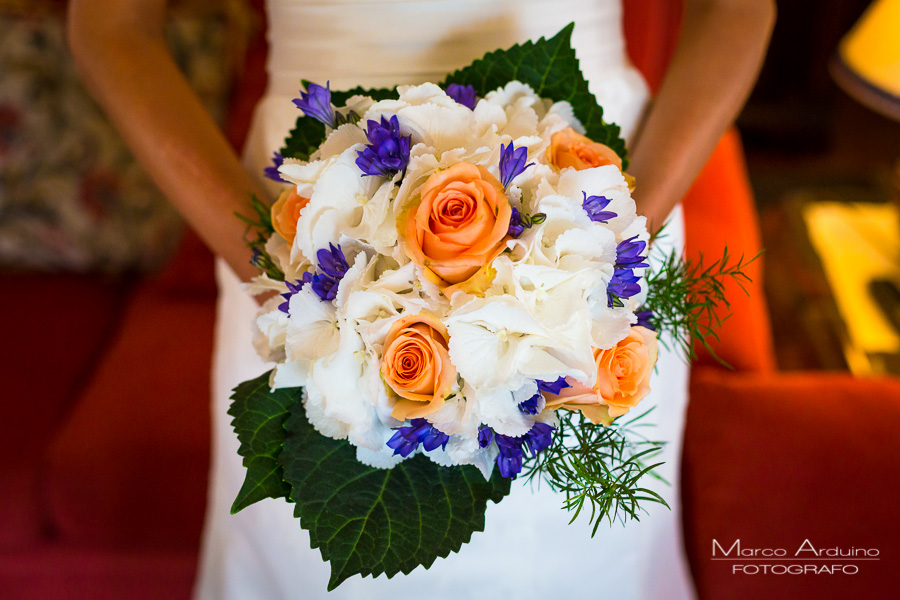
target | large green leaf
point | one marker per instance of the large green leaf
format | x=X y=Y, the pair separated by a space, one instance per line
x=372 y=521
x=551 y=68
x=259 y=415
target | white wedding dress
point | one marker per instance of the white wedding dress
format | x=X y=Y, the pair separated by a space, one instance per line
x=528 y=549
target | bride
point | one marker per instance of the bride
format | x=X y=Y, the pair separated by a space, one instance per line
x=527 y=549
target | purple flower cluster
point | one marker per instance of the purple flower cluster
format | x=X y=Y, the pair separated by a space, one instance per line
x=625 y=283
x=512 y=449
x=463 y=94
x=594 y=206
x=272 y=172
x=512 y=163
x=419 y=431
x=387 y=152
x=332 y=268
x=316 y=103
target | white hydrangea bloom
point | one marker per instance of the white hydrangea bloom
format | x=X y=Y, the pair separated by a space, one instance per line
x=498 y=342
x=537 y=319
x=344 y=203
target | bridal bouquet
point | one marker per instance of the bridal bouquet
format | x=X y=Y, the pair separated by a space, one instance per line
x=464 y=298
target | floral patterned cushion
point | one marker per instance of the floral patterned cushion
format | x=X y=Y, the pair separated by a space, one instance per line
x=72 y=197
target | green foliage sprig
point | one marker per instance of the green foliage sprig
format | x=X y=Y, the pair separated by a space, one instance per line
x=598 y=469
x=684 y=296
x=258 y=232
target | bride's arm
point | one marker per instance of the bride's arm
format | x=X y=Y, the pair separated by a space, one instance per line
x=119 y=48
x=719 y=53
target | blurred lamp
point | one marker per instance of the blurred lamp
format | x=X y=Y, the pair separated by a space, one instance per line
x=867 y=64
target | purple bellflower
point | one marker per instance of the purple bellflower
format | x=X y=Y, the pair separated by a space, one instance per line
x=533 y=405
x=463 y=94
x=629 y=254
x=624 y=282
x=388 y=150
x=419 y=431
x=512 y=163
x=485 y=436
x=539 y=438
x=332 y=268
x=316 y=103
x=594 y=205
x=272 y=172
x=512 y=449
x=645 y=319
x=511 y=455
x=293 y=288
x=553 y=387
x=518 y=222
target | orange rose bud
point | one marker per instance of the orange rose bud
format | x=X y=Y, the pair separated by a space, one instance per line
x=416 y=365
x=460 y=224
x=571 y=149
x=286 y=212
x=623 y=379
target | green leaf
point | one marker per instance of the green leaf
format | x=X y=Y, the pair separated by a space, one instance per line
x=371 y=521
x=259 y=415
x=308 y=134
x=551 y=68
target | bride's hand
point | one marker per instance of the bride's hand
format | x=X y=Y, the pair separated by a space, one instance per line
x=120 y=51
x=719 y=53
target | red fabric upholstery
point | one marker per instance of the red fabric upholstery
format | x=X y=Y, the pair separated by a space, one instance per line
x=57 y=571
x=55 y=328
x=719 y=213
x=775 y=460
x=129 y=467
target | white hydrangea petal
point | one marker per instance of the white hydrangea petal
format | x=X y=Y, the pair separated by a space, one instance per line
x=605 y=181
x=271 y=331
x=339 y=140
x=609 y=325
x=303 y=173
x=464 y=450
x=383 y=458
x=499 y=410
x=456 y=417
x=312 y=330
x=335 y=207
x=342 y=380
x=289 y=374
x=314 y=409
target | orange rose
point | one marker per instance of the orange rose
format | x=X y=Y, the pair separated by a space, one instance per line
x=416 y=365
x=623 y=379
x=571 y=149
x=460 y=224
x=286 y=211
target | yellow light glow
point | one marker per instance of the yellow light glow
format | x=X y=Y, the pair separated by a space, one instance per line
x=872 y=48
x=857 y=243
